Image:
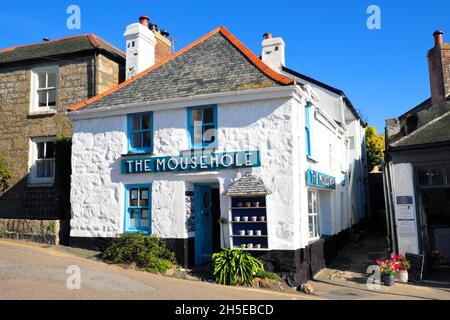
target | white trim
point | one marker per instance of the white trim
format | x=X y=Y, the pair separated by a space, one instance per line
x=32 y=179
x=34 y=109
x=184 y=102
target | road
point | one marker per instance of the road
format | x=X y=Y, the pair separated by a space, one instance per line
x=36 y=271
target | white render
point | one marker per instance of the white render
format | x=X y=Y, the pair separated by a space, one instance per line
x=273 y=53
x=275 y=126
x=140 y=49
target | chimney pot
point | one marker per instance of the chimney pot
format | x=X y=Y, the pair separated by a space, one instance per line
x=267 y=35
x=144 y=20
x=438 y=38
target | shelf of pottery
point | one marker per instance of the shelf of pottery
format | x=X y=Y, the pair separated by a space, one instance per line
x=249 y=223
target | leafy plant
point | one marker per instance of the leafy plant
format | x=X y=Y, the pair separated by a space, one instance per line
x=232 y=267
x=5 y=175
x=147 y=252
x=375 y=145
x=265 y=275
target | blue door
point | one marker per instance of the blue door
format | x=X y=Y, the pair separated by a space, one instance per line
x=203 y=224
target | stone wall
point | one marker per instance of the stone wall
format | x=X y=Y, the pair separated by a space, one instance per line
x=17 y=126
x=46 y=231
x=109 y=74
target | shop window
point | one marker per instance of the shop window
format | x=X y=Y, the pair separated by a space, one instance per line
x=202 y=124
x=313 y=215
x=44 y=90
x=138 y=209
x=308 y=128
x=432 y=176
x=436 y=176
x=140 y=132
x=42 y=161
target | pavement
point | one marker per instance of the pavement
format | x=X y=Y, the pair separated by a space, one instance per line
x=36 y=271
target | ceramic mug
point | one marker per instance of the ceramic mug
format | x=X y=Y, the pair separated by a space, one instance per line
x=257 y=246
x=242 y=246
x=254 y=218
x=240 y=204
x=242 y=232
x=248 y=204
x=258 y=232
x=250 y=245
x=256 y=204
x=262 y=218
x=249 y=232
x=245 y=219
x=237 y=219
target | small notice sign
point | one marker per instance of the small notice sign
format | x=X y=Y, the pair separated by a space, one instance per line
x=405 y=200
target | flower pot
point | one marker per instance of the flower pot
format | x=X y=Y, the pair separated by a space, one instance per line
x=248 y=204
x=256 y=204
x=388 y=280
x=245 y=219
x=254 y=219
x=243 y=246
x=237 y=219
x=403 y=276
x=249 y=232
x=250 y=245
x=242 y=232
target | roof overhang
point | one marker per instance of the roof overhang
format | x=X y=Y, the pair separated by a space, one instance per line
x=293 y=91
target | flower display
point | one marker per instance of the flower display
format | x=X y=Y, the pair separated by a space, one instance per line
x=403 y=263
x=389 y=266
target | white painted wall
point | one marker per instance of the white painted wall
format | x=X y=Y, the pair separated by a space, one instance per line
x=273 y=126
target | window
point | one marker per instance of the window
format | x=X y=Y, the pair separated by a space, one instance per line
x=313 y=215
x=308 y=128
x=202 y=124
x=44 y=90
x=42 y=161
x=140 y=132
x=138 y=204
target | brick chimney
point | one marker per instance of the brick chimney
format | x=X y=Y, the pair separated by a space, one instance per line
x=439 y=66
x=273 y=52
x=145 y=46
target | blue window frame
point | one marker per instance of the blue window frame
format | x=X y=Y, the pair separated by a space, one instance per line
x=308 y=128
x=140 y=132
x=202 y=125
x=138 y=208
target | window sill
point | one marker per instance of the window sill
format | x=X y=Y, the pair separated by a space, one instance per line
x=144 y=154
x=42 y=113
x=40 y=184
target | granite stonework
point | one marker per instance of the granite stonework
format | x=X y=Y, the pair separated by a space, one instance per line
x=17 y=126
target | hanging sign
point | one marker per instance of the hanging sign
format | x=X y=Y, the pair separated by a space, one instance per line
x=193 y=162
x=320 y=180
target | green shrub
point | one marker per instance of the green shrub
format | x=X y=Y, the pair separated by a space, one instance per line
x=232 y=267
x=5 y=175
x=265 y=275
x=147 y=252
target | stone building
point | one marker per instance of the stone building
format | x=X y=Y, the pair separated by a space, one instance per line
x=37 y=84
x=214 y=132
x=417 y=162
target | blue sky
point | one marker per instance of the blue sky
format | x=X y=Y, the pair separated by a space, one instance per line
x=384 y=72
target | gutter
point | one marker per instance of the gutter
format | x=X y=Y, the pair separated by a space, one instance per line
x=177 y=103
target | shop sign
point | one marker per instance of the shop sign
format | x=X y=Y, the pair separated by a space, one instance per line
x=193 y=162
x=320 y=180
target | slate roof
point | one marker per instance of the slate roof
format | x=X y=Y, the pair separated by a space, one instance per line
x=248 y=184
x=436 y=131
x=422 y=106
x=217 y=62
x=48 y=49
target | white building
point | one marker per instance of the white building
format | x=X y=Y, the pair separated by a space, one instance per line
x=212 y=132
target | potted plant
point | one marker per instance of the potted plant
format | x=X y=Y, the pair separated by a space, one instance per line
x=388 y=268
x=403 y=265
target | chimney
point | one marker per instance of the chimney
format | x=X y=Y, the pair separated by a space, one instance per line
x=439 y=67
x=273 y=52
x=140 y=47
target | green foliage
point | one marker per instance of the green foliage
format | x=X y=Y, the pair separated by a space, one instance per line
x=265 y=275
x=375 y=146
x=232 y=267
x=147 y=252
x=5 y=175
